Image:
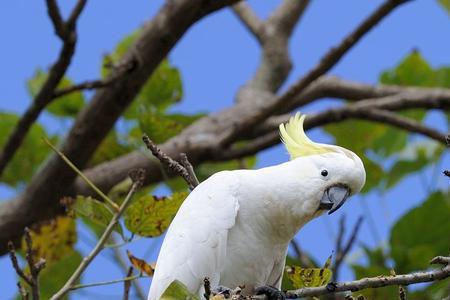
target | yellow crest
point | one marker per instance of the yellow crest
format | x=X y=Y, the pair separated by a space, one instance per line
x=297 y=143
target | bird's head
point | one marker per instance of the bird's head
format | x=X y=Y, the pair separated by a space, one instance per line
x=332 y=173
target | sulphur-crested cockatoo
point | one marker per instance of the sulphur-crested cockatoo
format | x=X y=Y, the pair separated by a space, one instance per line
x=235 y=227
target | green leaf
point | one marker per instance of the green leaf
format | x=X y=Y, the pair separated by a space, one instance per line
x=109 y=149
x=95 y=214
x=205 y=170
x=28 y=157
x=161 y=90
x=64 y=106
x=421 y=234
x=414 y=158
x=178 y=291
x=160 y=127
x=118 y=53
x=446 y=5
x=412 y=70
x=150 y=216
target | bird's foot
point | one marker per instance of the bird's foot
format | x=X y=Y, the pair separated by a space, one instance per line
x=271 y=292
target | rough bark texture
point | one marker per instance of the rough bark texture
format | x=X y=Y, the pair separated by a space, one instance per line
x=40 y=199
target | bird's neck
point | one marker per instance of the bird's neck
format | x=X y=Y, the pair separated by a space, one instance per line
x=276 y=201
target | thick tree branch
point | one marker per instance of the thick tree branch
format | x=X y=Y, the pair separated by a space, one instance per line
x=273 y=35
x=336 y=115
x=326 y=63
x=380 y=281
x=98 y=117
x=45 y=95
x=195 y=143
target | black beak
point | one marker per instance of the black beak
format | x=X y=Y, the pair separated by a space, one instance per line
x=334 y=197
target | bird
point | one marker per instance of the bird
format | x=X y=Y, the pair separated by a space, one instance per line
x=235 y=227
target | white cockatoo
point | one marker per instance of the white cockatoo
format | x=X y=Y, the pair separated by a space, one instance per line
x=235 y=227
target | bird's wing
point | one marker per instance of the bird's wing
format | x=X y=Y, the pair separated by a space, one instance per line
x=276 y=276
x=195 y=243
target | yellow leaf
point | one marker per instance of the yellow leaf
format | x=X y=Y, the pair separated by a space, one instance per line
x=309 y=277
x=140 y=264
x=150 y=215
x=54 y=239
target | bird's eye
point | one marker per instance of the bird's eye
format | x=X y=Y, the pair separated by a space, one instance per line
x=324 y=173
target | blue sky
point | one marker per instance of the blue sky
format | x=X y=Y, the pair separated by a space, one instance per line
x=215 y=58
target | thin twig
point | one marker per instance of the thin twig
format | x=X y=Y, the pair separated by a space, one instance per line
x=120 y=260
x=169 y=163
x=380 y=281
x=105 y=236
x=55 y=17
x=447 y=141
x=127 y=285
x=44 y=96
x=341 y=252
x=189 y=168
x=207 y=287
x=72 y=20
x=329 y=60
x=22 y=291
x=19 y=271
x=86 y=85
x=88 y=182
x=100 y=283
x=336 y=53
x=401 y=293
x=35 y=267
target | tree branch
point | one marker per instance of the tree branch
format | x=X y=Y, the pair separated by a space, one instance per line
x=249 y=19
x=286 y=16
x=38 y=202
x=171 y=164
x=45 y=95
x=325 y=64
x=127 y=285
x=100 y=244
x=55 y=17
x=380 y=281
x=86 y=85
x=88 y=285
x=34 y=267
x=341 y=252
x=337 y=115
